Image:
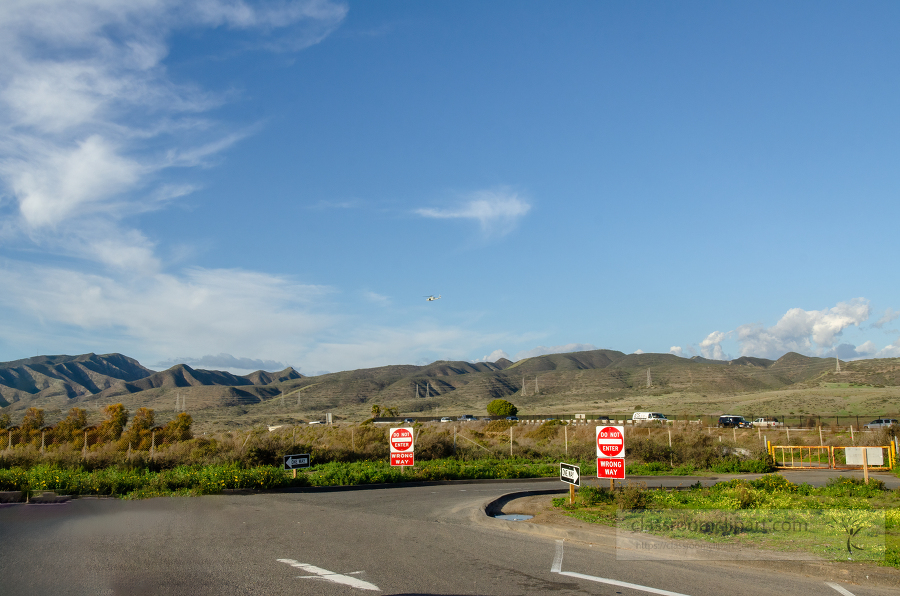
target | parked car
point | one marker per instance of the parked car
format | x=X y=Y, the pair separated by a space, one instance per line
x=446 y=419
x=734 y=422
x=767 y=422
x=881 y=423
x=513 y=418
x=467 y=418
x=409 y=420
x=317 y=422
x=604 y=419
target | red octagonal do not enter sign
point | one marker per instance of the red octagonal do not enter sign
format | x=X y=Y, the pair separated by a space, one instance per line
x=610 y=441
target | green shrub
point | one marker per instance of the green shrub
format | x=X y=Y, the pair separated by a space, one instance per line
x=774 y=483
x=595 y=495
x=633 y=496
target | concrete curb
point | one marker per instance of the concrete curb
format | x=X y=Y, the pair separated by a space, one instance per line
x=863 y=574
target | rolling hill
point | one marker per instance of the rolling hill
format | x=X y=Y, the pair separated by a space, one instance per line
x=543 y=382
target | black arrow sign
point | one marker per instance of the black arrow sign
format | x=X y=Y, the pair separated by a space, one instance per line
x=570 y=474
x=294 y=462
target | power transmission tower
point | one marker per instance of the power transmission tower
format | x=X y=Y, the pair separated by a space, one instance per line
x=417 y=390
x=428 y=390
x=837 y=364
x=649 y=380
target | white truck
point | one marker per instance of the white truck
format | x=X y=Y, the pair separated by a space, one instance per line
x=767 y=422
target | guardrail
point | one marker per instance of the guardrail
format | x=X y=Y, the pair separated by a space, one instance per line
x=810 y=457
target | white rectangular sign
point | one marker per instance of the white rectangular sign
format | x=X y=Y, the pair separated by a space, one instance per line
x=854 y=456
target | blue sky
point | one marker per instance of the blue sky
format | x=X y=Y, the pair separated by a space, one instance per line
x=242 y=185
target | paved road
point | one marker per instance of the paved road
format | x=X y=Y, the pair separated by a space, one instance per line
x=407 y=540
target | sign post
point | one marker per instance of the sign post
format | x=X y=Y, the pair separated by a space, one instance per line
x=611 y=453
x=295 y=462
x=572 y=475
x=402 y=449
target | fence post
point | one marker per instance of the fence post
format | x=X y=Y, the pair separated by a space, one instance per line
x=152 y=444
x=821 y=441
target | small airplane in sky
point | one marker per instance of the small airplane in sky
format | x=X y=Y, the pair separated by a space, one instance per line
x=430 y=298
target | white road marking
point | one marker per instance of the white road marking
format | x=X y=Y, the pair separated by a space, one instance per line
x=840 y=589
x=614 y=582
x=557 y=560
x=557 y=568
x=337 y=578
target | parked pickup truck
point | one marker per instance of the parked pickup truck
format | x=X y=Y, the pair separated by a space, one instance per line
x=767 y=422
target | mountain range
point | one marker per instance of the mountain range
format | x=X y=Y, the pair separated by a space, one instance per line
x=59 y=382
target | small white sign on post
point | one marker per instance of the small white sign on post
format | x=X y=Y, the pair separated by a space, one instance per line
x=854 y=456
x=402 y=449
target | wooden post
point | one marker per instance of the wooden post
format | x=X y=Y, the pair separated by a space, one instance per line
x=821 y=440
x=43 y=432
x=571 y=494
x=670 y=438
x=612 y=484
x=866 y=464
x=295 y=472
x=852 y=438
x=734 y=433
x=566 y=433
x=510 y=441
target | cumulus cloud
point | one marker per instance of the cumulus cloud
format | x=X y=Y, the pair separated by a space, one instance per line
x=677 y=351
x=801 y=330
x=711 y=347
x=544 y=350
x=639 y=351
x=851 y=352
x=889 y=351
x=225 y=362
x=494 y=356
x=496 y=211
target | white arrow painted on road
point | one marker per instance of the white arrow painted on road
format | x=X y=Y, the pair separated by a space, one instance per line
x=331 y=576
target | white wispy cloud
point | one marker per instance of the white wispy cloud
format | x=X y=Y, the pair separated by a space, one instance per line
x=677 y=350
x=889 y=315
x=89 y=116
x=496 y=211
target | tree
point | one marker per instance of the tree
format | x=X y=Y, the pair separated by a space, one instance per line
x=71 y=425
x=138 y=434
x=179 y=429
x=33 y=420
x=376 y=411
x=5 y=420
x=501 y=407
x=116 y=419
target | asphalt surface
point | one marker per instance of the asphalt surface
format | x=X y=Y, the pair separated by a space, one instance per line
x=426 y=539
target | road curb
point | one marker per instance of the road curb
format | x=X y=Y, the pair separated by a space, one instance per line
x=863 y=574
